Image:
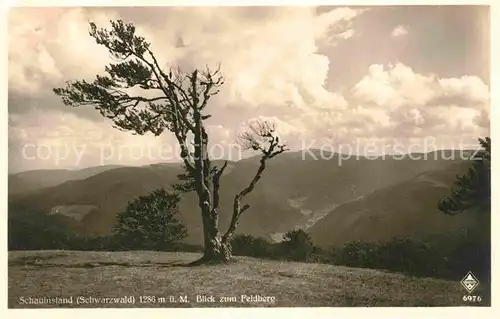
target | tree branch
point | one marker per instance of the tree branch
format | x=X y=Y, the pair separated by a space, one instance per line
x=216 y=185
x=261 y=138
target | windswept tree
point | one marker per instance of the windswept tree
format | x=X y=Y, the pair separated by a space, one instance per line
x=175 y=101
x=150 y=221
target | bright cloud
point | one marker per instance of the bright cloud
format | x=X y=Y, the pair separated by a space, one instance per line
x=425 y=105
x=399 y=86
x=399 y=31
x=251 y=50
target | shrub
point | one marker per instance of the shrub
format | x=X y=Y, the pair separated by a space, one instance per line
x=297 y=245
x=247 y=245
x=449 y=256
x=34 y=230
x=149 y=222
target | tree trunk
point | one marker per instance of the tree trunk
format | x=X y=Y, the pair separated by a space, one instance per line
x=216 y=250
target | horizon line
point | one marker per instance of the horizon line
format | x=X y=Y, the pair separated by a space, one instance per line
x=242 y=159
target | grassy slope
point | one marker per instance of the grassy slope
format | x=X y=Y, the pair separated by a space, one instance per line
x=117 y=274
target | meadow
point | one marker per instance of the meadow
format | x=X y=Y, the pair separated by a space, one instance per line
x=163 y=279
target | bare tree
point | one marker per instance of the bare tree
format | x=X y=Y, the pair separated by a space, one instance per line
x=173 y=101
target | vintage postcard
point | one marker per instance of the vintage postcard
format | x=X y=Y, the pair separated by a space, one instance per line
x=250 y=156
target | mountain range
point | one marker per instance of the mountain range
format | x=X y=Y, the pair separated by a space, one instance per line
x=336 y=200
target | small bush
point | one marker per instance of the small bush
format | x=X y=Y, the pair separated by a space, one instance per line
x=297 y=245
x=247 y=245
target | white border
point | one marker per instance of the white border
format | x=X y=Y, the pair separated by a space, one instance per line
x=377 y=312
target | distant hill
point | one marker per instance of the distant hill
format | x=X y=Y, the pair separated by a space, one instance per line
x=295 y=191
x=405 y=209
x=32 y=180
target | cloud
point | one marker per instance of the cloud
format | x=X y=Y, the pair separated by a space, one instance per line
x=272 y=60
x=399 y=31
x=50 y=45
x=347 y=34
x=468 y=89
x=399 y=86
x=276 y=63
x=419 y=105
x=393 y=104
x=63 y=140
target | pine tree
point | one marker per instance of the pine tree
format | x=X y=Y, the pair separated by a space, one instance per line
x=175 y=101
x=472 y=191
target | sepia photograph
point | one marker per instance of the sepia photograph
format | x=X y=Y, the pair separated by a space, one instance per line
x=249 y=156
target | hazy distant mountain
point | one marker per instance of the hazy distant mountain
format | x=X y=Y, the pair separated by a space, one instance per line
x=405 y=209
x=32 y=180
x=295 y=191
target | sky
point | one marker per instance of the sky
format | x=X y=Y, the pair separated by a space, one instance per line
x=362 y=80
